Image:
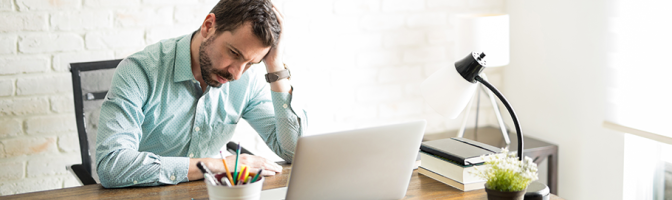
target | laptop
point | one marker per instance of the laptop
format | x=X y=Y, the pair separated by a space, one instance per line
x=368 y=163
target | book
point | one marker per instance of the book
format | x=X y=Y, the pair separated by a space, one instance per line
x=448 y=169
x=451 y=182
x=463 y=151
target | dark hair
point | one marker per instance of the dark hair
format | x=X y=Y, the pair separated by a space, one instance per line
x=230 y=14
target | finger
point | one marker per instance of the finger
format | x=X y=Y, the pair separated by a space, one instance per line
x=278 y=15
x=267 y=164
x=267 y=173
x=277 y=11
x=264 y=172
x=272 y=166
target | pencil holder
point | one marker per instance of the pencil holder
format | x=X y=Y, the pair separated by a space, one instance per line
x=250 y=191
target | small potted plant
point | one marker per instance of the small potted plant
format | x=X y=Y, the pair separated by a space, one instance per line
x=506 y=176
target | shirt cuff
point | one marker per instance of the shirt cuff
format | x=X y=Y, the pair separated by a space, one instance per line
x=174 y=170
x=288 y=106
x=282 y=104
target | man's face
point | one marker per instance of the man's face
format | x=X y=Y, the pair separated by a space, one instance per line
x=226 y=56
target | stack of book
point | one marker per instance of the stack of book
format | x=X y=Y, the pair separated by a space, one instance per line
x=450 y=160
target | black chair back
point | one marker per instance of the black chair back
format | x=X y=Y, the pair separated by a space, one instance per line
x=90 y=83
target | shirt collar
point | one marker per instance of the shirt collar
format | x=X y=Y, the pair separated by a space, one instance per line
x=183 y=59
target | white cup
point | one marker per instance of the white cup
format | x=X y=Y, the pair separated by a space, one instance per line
x=250 y=191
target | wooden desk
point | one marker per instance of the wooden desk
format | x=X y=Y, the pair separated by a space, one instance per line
x=421 y=187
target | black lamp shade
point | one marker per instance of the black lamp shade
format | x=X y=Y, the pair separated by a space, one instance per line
x=471 y=66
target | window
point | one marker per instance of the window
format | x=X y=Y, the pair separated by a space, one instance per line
x=640 y=102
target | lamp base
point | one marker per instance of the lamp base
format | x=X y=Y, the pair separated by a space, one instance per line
x=537 y=191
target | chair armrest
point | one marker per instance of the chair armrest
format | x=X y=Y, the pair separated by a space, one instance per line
x=83 y=176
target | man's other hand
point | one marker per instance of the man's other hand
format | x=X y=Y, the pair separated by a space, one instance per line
x=254 y=163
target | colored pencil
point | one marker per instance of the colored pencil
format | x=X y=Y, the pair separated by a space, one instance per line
x=228 y=173
x=235 y=169
x=257 y=176
x=243 y=170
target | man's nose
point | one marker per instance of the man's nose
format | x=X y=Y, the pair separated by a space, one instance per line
x=237 y=70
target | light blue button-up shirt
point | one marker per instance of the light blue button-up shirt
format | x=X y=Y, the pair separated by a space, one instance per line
x=156 y=116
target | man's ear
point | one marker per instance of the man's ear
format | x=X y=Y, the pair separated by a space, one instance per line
x=208 y=25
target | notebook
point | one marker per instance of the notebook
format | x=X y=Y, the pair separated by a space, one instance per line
x=368 y=163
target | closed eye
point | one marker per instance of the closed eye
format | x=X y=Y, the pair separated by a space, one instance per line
x=235 y=54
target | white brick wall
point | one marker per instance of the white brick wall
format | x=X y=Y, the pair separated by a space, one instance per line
x=356 y=63
x=52 y=84
x=10 y=127
x=6 y=5
x=50 y=42
x=30 y=146
x=33 y=5
x=7 y=44
x=81 y=20
x=24 y=106
x=115 y=39
x=23 y=22
x=402 y=5
x=50 y=125
x=23 y=64
x=6 y=87
x=112 y=4
x=12 y=170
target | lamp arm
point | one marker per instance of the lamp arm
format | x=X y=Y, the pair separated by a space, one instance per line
x=510 y=109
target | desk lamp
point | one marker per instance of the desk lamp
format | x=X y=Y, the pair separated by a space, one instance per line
x=484 y=33
x=450 y=89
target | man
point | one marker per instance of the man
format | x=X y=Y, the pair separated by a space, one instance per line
x=177 y=102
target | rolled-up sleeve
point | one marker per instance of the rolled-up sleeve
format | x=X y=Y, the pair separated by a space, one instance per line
x=118 y=161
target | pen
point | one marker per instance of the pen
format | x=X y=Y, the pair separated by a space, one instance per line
x=257 y=176
x=228 y=173
x=207 y=173
x=235 y=169
x=226 y=181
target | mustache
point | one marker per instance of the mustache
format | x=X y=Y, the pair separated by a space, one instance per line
x=224 y=74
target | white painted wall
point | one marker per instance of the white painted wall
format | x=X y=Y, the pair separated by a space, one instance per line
x=557 y=83
x=356 y=63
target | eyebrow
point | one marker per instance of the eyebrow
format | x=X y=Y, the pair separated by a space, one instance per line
x=240 y=53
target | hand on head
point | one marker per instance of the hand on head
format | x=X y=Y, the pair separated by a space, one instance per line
x=274 y=56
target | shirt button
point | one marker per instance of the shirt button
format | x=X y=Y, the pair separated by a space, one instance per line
x=135 y=182
x=191 y=155
x=284 y=105
x=197 y=129
x=172 y=178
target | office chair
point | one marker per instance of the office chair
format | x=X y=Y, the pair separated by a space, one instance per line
x=90 y=83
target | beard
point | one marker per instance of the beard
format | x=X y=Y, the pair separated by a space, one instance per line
x=207 y=70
